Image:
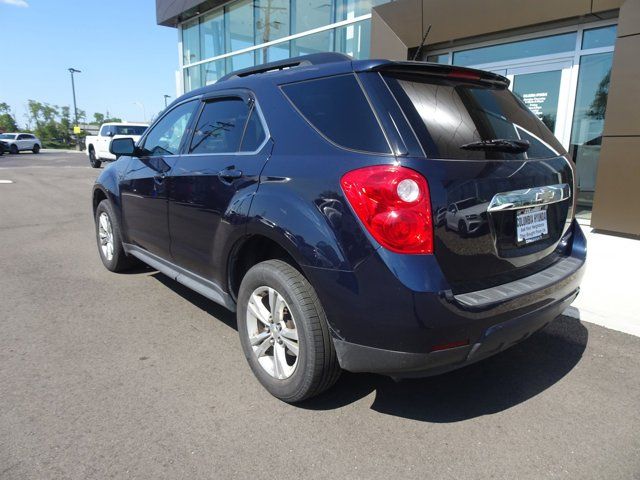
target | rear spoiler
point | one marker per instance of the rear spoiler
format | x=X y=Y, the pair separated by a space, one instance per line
x=432 y=69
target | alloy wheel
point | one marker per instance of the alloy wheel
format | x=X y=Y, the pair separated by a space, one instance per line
x=105 y=233
x=272 y=332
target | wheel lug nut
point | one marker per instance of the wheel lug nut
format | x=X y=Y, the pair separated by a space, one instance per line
x=271 y=341
x=280 y=341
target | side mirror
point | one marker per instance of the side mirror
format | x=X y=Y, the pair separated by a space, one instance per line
x=122 y=146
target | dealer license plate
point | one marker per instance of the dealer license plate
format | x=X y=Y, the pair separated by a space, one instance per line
x=531 y=225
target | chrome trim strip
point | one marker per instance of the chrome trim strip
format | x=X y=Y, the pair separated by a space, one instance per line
x=529 y=197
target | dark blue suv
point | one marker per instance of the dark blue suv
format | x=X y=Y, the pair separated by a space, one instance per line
x=402 y=218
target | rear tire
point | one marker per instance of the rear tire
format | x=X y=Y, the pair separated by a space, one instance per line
x=36 y=148
x=14 y=149
x=95 y=163
x=109 y=239
x=301 y=326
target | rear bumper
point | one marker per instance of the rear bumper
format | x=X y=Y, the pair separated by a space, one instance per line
x=360 y=358
x=390 y=322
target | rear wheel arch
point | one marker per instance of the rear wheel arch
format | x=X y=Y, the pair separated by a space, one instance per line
x=98 y=196
x=250 y=251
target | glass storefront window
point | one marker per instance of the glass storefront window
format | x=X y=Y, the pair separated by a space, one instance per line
x=316 y=43
x=212 y=34
x=588 y=119
x=192 y=78
x=346 y=9
x=191 y=42
x=239 y=25
x=212 y=71
x=534 y=47
x=272 y=20
x=238 y=62
x=599 y=37
x=310 y=14
x=540 y=92
x=273 y=53
x=442 y=58
x=354 y=39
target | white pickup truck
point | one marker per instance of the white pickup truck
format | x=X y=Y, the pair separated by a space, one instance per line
x=98 y=145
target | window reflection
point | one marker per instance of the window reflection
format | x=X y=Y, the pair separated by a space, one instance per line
x=588 y=120
x=272 y=20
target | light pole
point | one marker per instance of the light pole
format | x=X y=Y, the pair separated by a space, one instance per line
x=165 y=100
x=75 y=108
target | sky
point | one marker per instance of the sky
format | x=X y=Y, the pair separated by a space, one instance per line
x=124 y=56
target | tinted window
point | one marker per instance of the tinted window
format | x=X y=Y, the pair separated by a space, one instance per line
x=128 y=129
x=254 y=133
x=447 y=114
x=166 y=135
x=220 y=126
x=337 y=107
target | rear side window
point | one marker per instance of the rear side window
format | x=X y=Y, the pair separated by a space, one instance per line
x=338 y=109
x=254 y=133
x=221 y=126
x=448 y=113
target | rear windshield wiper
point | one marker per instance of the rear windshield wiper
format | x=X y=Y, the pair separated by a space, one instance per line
x=498 y=145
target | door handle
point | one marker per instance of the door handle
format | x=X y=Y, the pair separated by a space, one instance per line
x=229 y=174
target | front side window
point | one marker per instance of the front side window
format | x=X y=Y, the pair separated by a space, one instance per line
x=220 y=127
x=338 y=109
x=165 y=136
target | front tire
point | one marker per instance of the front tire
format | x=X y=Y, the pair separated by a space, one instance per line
x=36 y=148
x=14 y=149
x=109 y=239
x=284 y=332
x=93 y=160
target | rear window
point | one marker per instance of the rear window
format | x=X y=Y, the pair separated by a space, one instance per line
x=337 y=108
x=129 y=129
x=447 y=114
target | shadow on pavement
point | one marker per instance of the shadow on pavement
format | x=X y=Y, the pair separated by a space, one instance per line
x=492 y=385
x=203 y=303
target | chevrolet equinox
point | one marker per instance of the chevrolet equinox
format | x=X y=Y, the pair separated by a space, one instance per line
x=315 y=197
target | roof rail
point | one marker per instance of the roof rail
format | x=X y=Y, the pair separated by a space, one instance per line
x=303 y=61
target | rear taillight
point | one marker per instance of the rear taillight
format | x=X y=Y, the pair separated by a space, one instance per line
x=393 y=203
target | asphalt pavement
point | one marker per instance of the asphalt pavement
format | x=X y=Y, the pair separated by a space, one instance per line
x=107 y=375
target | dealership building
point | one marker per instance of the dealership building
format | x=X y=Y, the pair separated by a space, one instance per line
x=575 y=63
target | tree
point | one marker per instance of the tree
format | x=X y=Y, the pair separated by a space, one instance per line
x=599 y=105
x=98 y=119
x=7 y=121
